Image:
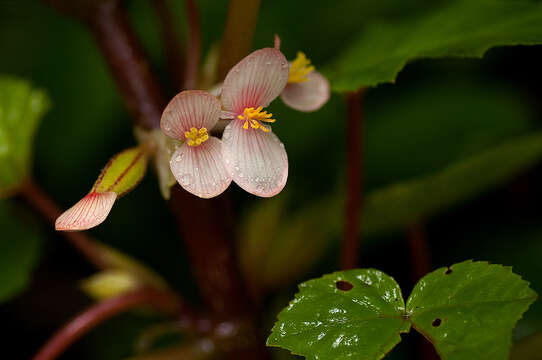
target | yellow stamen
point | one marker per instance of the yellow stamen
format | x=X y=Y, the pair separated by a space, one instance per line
x=300 y=69
x=195 y=137
x=255 y=117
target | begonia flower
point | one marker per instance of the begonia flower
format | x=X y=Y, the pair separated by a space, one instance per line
x=307 y=90
x=198 y=164
x=254 y=156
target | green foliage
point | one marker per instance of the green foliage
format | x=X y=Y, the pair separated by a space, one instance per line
x=21 y=108
x=19 y=253
x=459 y=28
x=401 y=204
x=467 y=311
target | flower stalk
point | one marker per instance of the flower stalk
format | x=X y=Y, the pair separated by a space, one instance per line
x=354 y=182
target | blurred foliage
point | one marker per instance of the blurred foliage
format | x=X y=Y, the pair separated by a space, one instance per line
x=467 y=311
x=21 y=108
x=19 y=253
x=463 y=28
x=440 y=115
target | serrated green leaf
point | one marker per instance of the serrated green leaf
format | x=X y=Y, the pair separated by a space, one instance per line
x=124 y=171
x=468 y=311
x=459 y=28
x=21 y=108
x=402 y=204
x=325 y=322
x=19 y=253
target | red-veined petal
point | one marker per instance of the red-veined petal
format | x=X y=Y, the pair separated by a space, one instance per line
x=309 y=95
x=191 y=108
x=255 y=81
x=256 y=160
x=89 y=212
x=201 y=170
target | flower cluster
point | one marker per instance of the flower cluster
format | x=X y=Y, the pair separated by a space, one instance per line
x=249 y=153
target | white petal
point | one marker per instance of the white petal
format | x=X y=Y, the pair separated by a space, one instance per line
x=89 y=212
x=255 y=81
x=190 y=108
x=201 y=170
x=256 y=160
x=309 y=95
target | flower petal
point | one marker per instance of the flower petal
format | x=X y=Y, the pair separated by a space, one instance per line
x=191 y=108
x=89 y=212
x=309 y=95
x=201 y=170
x=255 y=81
x=256 y=160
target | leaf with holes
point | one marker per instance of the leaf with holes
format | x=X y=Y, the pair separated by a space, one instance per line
x=121 y=174
x=468 y=311
x=21 y=108
x=355 y=314
x=460 y=28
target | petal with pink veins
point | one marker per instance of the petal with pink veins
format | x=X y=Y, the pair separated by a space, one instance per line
x=255 y=81
x=191 y=108
x=89 y=212
x=309 y=95
x=201 y=170
x=256 y=160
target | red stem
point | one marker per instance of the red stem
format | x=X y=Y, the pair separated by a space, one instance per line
x=173 y=50
x=87 y=320
x=139 y=88
x=354 y=182
x=419 y=251
x=48 y=209
x=194 y=45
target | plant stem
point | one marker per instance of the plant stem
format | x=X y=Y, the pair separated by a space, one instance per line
x=419 y=251
x=173 y=50
x=48 y=209
x=194 y=45
x=139 y=88
x=165 y=302
x=238 y=33
x=354 y=182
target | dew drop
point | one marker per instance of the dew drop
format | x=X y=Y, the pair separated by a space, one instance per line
x=185 y=179
x=268 y=63
x=178 y=157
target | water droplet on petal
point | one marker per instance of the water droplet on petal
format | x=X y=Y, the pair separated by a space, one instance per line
x=185 y=179
x=178 y=157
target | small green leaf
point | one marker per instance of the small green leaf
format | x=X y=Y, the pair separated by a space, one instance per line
x=19 y=253
x=459 y=28
x=402 y=204
x=355 y=314
x=468 y=311
x=123 y=172
x=110 y=283
x=21 y=108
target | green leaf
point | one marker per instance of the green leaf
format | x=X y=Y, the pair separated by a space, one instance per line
x=468 y=311
x=19 y=253
x=459 y=28
x=356 y=314
x=21 y=108
x=401 y=204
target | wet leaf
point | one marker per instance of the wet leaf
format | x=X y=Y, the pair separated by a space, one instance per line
x=21 y=108
x=468 y=311
x=459 y=28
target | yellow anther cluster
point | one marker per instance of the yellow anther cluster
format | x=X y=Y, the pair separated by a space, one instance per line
x=300 y=69
x=255 y=117
x=195 y=137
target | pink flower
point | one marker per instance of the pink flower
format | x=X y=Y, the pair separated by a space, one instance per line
x=307 y=89
x=198 y=164
x=254 y=156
